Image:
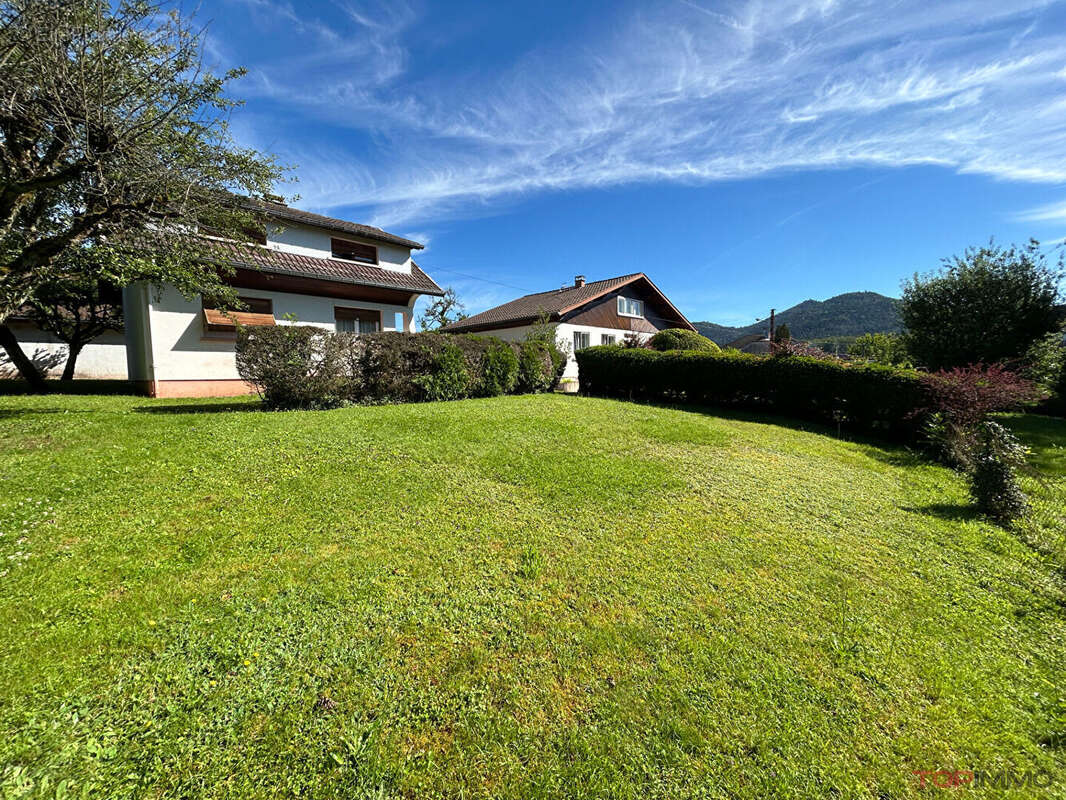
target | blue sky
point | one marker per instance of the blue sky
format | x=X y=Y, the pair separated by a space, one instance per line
x=745 y=155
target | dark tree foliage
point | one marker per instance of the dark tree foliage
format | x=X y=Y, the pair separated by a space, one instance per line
x=77 y=311
x=782 y=334
x=988 y=305
x=110 y=129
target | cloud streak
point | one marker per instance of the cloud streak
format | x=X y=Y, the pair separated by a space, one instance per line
x=690 y=93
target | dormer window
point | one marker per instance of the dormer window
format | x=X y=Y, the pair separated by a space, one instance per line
x=627 y=307
x=354 y=251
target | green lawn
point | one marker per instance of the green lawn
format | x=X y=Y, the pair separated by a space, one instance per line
x=516 y=597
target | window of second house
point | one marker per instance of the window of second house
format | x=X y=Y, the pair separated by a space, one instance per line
x=354 y=251
x=581 y=340
x=628 y=307
x=608 y=338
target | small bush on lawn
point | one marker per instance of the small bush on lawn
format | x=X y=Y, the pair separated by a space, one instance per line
x=993 y=478
x=682 y=339
x=499 y=369
x=304 y=367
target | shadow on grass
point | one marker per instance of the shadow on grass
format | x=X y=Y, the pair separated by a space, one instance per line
x=886 y=450
x=202 y=408
x=80 y=386
x=951 y=512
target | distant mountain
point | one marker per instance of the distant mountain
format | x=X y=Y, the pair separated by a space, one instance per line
x=851 y=314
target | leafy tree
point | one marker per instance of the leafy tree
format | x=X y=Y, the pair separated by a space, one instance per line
x=442 y=311
x=782 y=334
x=111 y=128
x=84 y=304
x=988 y=305
x=1045 y=361
x=880 y=348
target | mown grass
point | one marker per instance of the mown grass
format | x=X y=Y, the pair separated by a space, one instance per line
x=516 y=597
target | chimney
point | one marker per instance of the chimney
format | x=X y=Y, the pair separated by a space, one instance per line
x=772 y=312
x=579 y=280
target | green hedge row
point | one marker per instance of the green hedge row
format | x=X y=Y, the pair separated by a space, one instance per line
x=297 y=366
x=883 y=400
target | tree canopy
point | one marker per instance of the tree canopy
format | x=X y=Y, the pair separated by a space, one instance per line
x=442 y=311
x=988 y=305
x=112 y=129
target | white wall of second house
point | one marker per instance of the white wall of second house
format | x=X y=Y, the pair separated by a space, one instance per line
x=182 y=349
x=564 y=335
x=309 y=241
x=102 y=359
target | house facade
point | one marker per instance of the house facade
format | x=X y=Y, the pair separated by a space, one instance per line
x=584 y=314
x=308 y=269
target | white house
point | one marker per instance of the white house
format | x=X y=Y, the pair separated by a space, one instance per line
x=311 y=269
x=585 y=314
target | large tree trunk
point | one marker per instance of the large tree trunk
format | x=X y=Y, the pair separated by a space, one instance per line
x=72 y=358
x=27 y=369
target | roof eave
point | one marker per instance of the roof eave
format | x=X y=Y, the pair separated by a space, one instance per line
x=384 y=237
x=318 y=277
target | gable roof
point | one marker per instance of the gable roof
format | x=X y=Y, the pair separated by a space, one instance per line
x=280 y=211
x=257 y=257
x=556 y=304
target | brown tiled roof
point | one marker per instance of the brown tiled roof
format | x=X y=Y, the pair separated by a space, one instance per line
x=284 y=212
x=327 y=269
x=554 y=304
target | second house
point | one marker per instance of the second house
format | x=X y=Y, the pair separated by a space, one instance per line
x=585 y=314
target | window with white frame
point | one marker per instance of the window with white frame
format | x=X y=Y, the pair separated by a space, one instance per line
x=608 y=338
x=581 y=340
x=628 y=307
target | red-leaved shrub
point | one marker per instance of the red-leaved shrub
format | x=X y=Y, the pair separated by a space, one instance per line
x=969 y=394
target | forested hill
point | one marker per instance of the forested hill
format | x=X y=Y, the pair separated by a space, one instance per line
x=851 y=314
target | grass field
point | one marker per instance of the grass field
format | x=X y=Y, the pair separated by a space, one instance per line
x=516 y=597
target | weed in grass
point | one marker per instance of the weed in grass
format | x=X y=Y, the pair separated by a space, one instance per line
x=530 y=563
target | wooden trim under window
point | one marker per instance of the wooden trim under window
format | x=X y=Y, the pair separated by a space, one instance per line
x=219 y=320
x=353 y=251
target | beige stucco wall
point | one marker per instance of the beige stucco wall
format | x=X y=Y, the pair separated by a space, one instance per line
x=183 y=350
x=308 y=241
x=104 y=358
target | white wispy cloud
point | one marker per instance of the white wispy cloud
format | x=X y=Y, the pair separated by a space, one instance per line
x=1052 y=212
x=690 y=92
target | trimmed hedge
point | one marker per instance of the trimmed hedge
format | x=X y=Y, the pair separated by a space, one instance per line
x=297 y=366
x=870 y=398
x=682 y=339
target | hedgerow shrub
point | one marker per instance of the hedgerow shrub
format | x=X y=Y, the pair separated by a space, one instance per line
x=872 y=398
x=681 y=339
x=447 y=377
x=296 y=366
x=499 y=369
